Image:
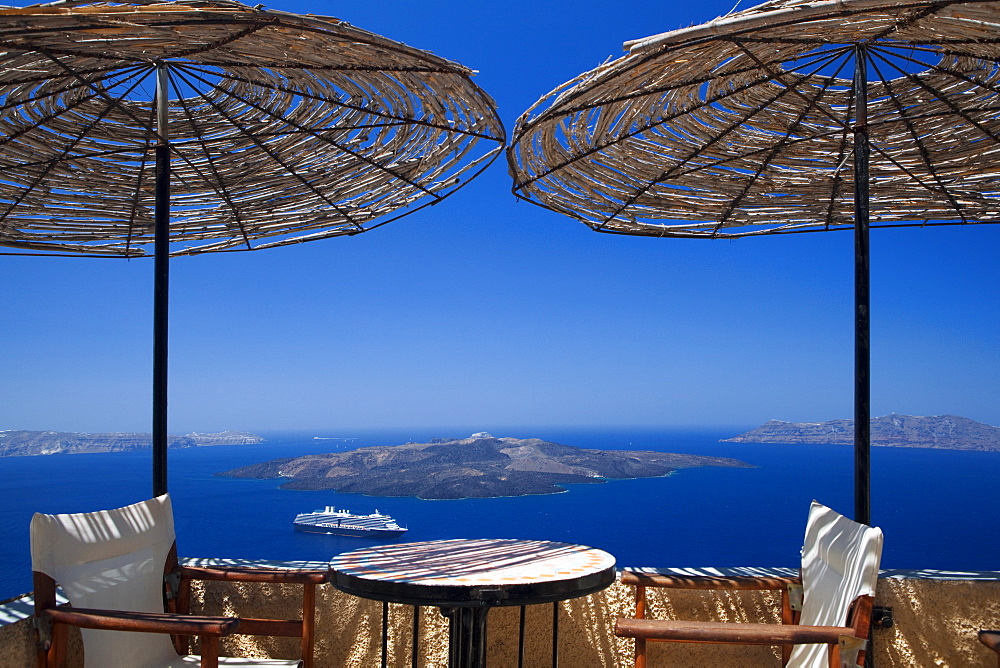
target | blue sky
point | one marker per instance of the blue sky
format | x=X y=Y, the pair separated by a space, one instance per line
x=485 y=311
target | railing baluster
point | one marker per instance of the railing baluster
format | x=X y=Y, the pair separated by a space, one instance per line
x=520 y=640
x=416 y=636
x=555 y=634
x=385 y=634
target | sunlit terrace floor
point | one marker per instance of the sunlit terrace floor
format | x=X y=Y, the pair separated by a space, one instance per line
x=936 y=617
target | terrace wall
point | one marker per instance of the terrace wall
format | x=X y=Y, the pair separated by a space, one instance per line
x=936 y=619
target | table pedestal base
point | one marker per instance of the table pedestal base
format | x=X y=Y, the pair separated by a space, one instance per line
x=466 y=636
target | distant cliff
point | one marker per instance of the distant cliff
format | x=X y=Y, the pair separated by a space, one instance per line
x=25 y=443
x=949 y=432
x=480 y=466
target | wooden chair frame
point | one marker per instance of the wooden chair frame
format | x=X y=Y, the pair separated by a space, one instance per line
x=992 y=640
x=52 y=620
x=786 y=634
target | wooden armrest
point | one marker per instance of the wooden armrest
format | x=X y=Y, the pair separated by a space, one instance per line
x=290 y=628
x=991 y=639
x=146 y=622
x=724 y=632
x=709 y=581
x=254 y=574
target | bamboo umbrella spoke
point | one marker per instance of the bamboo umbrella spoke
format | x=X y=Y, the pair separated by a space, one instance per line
x=918 y=138
x=27 y=118
x=216 y=181
x=267 y=147
x=52 y=164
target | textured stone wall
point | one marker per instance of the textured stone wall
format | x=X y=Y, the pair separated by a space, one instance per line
x=17 y=644
x=936 y=624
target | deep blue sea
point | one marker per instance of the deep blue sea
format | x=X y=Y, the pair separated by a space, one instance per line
x=935 y=506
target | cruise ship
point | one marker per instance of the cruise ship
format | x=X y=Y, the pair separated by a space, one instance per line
x=343 y=523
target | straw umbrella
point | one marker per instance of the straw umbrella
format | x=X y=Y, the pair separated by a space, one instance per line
x=259 y=128
x=788 y=117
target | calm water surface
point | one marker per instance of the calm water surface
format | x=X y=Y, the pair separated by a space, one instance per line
x=929 y=503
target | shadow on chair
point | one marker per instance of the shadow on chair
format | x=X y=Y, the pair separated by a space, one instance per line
x=826 y=611
x=119 y=571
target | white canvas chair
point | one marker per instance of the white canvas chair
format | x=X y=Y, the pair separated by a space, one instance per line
x=112 y=566
x=826 y=612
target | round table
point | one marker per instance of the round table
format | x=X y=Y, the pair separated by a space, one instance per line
x=465 y=578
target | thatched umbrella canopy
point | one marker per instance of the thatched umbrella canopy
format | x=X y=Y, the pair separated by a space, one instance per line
x=258 y=128
x=281 y=128
x=787 y=117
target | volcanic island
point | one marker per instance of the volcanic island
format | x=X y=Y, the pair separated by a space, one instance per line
x=943 y=432
x=481 y=466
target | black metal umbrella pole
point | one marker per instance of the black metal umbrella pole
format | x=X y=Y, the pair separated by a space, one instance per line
x=161 y=285
x=862 y=296
x=748 y=126
x=218 y=127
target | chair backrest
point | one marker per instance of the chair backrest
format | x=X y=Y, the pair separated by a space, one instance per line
x=111 y=560
x=840 y=561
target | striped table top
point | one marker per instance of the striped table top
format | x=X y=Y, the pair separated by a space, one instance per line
x=461 y=571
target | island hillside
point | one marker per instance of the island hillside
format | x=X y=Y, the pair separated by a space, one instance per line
x=480 y=466
x=15 y=443
x=949 y=432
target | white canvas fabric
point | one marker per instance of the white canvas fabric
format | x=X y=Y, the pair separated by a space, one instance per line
x=840 y=561
x=113 y=560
